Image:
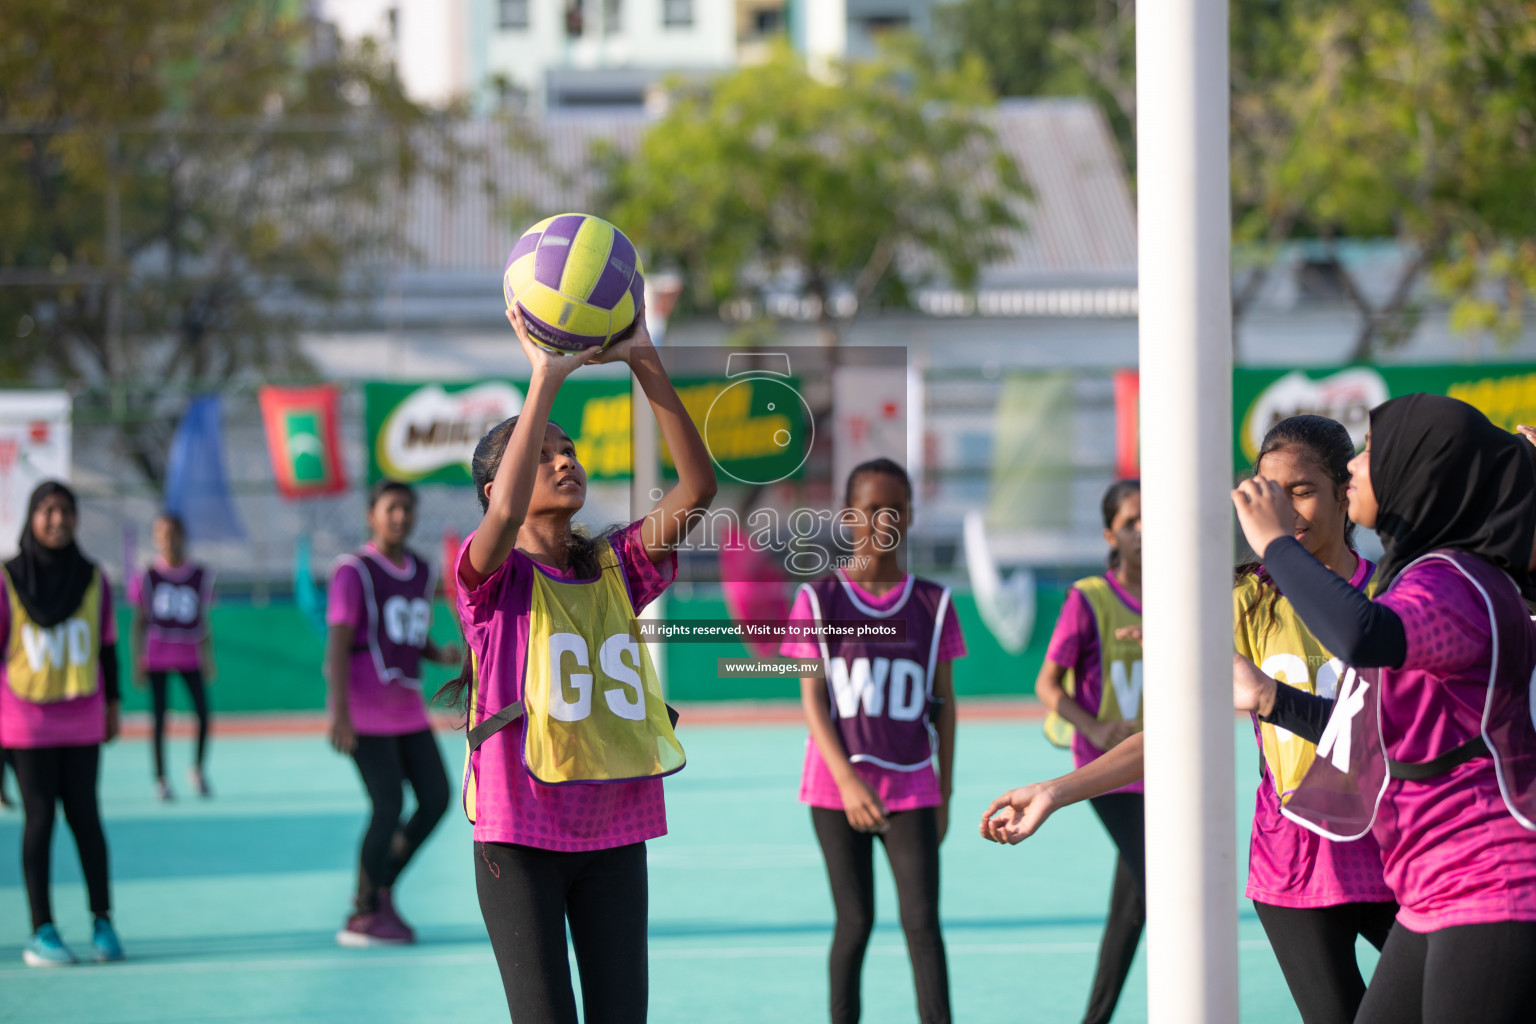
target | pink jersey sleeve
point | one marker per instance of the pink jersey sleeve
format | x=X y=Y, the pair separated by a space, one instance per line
x=1444 y=619
x=1075 y=631
x=108 y=620
x=344 y=599
x=480 y=604
x=951 y=641
x=801 y=612
x=646 y=579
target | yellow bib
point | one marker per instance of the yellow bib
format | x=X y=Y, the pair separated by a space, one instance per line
x=1119 y=662
x=1267 y=631
x=592 y=702
x=43 y=666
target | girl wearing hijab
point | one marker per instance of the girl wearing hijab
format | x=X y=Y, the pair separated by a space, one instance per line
x=1429 y=745
x=59 y=703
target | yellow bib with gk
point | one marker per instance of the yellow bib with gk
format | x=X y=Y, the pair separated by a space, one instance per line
x=591 y=697
x=1268 y=632
x=62 y=662
x=1119 y=662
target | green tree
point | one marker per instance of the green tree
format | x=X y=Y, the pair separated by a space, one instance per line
x=863 y=183
x=1049 y=48
x=183 y=182
x=1415 y=122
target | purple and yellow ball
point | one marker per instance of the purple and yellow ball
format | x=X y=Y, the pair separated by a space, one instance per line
x=578 y=281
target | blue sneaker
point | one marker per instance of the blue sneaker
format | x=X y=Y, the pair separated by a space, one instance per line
x=104 y=939
x=46 y=949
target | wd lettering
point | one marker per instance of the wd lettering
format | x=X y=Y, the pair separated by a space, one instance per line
x=878 y=689
x=45 y=664
x=67 y=644
x=879 y=686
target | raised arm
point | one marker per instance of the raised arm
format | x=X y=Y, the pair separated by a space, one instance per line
x=513 y=484
x=668 y=523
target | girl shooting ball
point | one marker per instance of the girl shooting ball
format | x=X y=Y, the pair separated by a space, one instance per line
x=568 y=734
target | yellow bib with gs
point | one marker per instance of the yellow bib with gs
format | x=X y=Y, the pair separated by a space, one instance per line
x=591 y=697
x=62 y=662
x=1268 y=632
x=1119 y=662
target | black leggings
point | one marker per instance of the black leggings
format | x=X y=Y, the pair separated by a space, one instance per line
x=158 y=684
x=1316 y=950
x=1124 y=818
x=912 y=846
x=528 y=895
x=386 y=763
x=1474 y=972
x=49 y=776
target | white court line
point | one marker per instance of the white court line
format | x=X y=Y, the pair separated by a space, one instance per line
x=686 y=953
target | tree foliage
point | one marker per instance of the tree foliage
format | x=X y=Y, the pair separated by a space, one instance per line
x=182 y=181
x=857 y=184
x=1415 y=122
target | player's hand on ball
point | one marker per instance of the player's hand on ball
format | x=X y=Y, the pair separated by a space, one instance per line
x=622 y=351
x=1264 y=511
x=1017 y=814
x=555 y=364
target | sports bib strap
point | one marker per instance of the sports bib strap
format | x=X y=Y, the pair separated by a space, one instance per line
x=511 y=713
x=1417 y=772
x=494 y=724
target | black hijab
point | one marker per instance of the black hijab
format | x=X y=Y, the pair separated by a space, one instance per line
x=1445 y=477
x=49 y=582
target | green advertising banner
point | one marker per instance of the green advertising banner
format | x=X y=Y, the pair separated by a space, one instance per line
x=1506 y=393
x=757 y=427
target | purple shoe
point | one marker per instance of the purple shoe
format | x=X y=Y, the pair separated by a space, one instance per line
x=375 y=929
x=387 y=911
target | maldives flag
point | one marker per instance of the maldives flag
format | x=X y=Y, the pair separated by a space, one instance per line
x=303 y=439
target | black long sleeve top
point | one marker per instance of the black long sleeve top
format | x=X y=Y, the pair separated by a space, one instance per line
x=1354 y=628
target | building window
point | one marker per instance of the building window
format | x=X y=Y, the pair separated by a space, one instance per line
x=677 y=13
x=512 y=14
x=613 y=17
x=575 y=17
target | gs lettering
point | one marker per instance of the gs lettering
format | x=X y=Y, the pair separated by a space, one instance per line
x=571 y=690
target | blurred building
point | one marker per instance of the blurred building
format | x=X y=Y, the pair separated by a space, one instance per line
x=574 y=54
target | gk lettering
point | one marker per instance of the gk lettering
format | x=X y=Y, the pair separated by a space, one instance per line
x=897 y=689
x=619 y=661
x=406 y=621
x=68 y=643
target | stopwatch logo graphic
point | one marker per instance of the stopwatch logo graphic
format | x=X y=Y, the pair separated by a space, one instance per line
x=759 y=429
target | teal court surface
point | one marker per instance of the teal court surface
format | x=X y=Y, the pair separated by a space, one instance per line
x=228 y=908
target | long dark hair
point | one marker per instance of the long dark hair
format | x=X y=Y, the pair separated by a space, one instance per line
x=581 y=550
x=1328 y=444
x=1109 y=507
